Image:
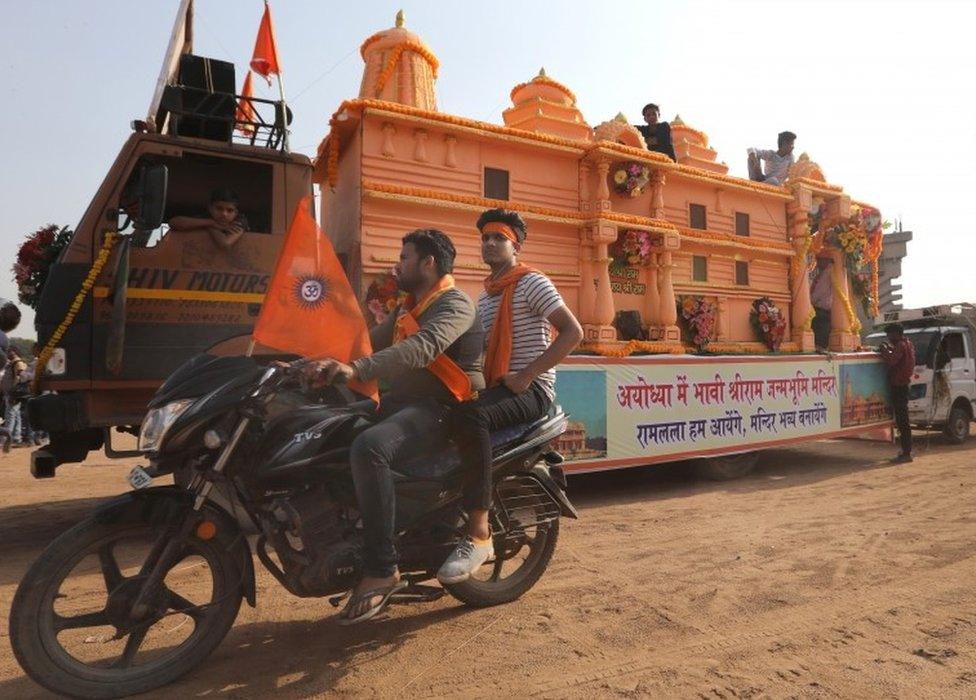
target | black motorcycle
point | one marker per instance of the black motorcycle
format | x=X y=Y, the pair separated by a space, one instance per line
x=253 y=444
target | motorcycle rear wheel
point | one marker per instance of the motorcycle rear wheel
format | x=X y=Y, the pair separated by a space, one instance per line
x=491 y=585
x=36 y=627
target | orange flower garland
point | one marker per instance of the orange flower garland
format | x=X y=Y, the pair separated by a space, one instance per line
x=394 y=58
x=772 y=246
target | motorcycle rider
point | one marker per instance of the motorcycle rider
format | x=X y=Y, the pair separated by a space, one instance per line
x=429 y=351
x=518 y=308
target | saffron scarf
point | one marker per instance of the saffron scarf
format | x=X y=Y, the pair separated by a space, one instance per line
x=500 y=341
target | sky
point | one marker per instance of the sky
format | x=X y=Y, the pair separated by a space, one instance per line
x=875 y=89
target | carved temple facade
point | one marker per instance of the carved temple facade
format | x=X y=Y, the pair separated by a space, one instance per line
x=393 y=163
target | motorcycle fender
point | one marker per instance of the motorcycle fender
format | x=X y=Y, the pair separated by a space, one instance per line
x=156 y=505
x=542 y=475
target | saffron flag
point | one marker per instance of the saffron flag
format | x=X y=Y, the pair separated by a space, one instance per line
x=245 y=109
x=264 y=60
x=310 y=308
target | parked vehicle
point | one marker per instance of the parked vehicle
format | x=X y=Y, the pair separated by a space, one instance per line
x=283 y=454
x=943 y=389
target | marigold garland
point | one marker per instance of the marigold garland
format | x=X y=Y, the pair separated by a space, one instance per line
x=854 y=321
x=773 y=246
x=545 y=80
x=93 y=273
x=632 y=346
x=394 y=58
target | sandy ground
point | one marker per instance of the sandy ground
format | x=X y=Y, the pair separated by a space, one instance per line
x=826 y=573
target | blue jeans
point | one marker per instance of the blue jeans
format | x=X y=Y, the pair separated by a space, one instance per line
x=11 y=420
x=404 y=430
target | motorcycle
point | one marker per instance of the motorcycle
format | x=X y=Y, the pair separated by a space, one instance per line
x=256 y=444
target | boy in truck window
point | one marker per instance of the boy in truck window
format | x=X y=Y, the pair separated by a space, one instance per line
x=225 y=223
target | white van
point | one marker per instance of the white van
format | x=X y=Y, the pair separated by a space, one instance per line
x=943 y=388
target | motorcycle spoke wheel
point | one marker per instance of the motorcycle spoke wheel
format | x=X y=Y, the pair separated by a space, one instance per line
x=512 y=554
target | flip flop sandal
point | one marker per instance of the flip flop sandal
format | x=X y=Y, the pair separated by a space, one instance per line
x=354 y=602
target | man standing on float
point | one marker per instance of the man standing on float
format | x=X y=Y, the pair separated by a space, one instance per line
x=518 y=308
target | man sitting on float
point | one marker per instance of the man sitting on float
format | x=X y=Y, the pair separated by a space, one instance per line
x=429 y=352
x=778 y=162
x=518 y=308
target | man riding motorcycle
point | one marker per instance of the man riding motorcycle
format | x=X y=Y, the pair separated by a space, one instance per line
x=429 y=352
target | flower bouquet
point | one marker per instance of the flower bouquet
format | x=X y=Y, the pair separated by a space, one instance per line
x=383 y=296
x=34 y=259
x=631 y=178
x=769 y=322
x=632 y=248
x=699 y=317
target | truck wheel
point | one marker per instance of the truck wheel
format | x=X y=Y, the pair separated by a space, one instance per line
x=957 y=425
x=727 y=467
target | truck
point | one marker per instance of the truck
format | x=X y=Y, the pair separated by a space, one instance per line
x=647 y=386
x=943 y=388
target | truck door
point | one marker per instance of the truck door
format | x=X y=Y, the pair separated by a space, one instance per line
x=185 y=293
x=954 y=373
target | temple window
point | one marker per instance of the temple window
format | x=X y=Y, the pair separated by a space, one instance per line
x=741 y=272
x=699 y=268
x=496 y=183
x=741 y=224
x=696 y=216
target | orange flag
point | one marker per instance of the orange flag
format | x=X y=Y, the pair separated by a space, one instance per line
x=310 y=308
x=264 y=61
x=245 y=109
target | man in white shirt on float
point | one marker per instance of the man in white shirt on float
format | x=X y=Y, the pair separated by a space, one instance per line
x=778 y=162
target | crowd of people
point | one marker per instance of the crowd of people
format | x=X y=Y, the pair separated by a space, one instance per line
x=16 y=375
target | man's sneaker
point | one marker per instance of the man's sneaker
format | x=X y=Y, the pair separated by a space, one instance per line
x=466 y=558
x=902 y=459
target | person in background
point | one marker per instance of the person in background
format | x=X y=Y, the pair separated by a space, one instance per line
x=778 y=162
x=822 y=298
x=10 y=386
x=225 y=223
x=899 y=355
x=519 y=307
x=9 y=319
x=657 y=134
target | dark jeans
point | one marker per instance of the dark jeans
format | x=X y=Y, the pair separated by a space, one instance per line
x=473 y=423
x=821 y=327
x=899 y=401
x=403 y=431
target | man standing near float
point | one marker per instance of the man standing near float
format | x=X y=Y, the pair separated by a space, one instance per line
x=518 y=308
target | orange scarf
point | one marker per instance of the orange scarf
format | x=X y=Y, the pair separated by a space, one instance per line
x=454 y=379
x=500 y=341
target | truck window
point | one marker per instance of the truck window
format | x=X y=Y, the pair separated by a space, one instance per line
x=192 y=178
x=953 y=346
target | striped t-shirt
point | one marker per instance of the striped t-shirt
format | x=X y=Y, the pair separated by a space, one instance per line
x=535 y=299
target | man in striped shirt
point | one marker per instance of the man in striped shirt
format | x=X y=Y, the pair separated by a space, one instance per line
x=518 y=309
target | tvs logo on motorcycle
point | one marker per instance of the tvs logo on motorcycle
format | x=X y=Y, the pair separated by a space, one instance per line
x=311 y=291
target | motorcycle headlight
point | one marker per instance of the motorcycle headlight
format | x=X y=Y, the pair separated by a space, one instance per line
x=158 y=421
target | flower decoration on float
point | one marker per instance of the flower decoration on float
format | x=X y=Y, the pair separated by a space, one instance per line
x=699 y=316
x=34 y=259
x=631 y=178
x=631 y=249
x=769 y=322
x=383 y=296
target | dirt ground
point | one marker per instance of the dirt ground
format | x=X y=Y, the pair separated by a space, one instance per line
x=827 y=573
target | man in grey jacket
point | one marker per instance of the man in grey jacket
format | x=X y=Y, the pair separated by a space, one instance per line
x=429 y=352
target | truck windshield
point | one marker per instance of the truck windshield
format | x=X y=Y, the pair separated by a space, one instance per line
x=922 y=340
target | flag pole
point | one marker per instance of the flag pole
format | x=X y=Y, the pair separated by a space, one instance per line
x=284 y=113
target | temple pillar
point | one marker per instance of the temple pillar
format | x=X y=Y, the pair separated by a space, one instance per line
x=584 y=187
x=842 y=339
x=587 y=293
x=668 y=308
x=652 y=299
x=723 y=320
x=601 y=329
x=388 y=131
x=657 y=194
x=801 y=307
x=602 y=189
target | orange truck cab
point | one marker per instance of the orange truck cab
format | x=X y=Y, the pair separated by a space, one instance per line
x=163 y=296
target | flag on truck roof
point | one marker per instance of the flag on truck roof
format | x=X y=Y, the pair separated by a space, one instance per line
x=244 y=117
x=310 y=308
x=264 y=60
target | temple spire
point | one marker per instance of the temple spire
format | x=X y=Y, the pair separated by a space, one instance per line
x=399 y=18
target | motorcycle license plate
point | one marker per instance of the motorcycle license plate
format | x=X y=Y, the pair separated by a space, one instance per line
x=139 y=478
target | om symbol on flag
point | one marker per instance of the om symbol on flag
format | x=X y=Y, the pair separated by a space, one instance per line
x=311 y=291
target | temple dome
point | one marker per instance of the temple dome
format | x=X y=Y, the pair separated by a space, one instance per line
x=619 y=130
x=546 y=106
x=400 y=67
x=691 y=148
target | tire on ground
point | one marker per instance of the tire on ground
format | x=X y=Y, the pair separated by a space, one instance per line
x=957 y=425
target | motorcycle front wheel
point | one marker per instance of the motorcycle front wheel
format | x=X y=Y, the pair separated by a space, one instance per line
x=71 y=623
